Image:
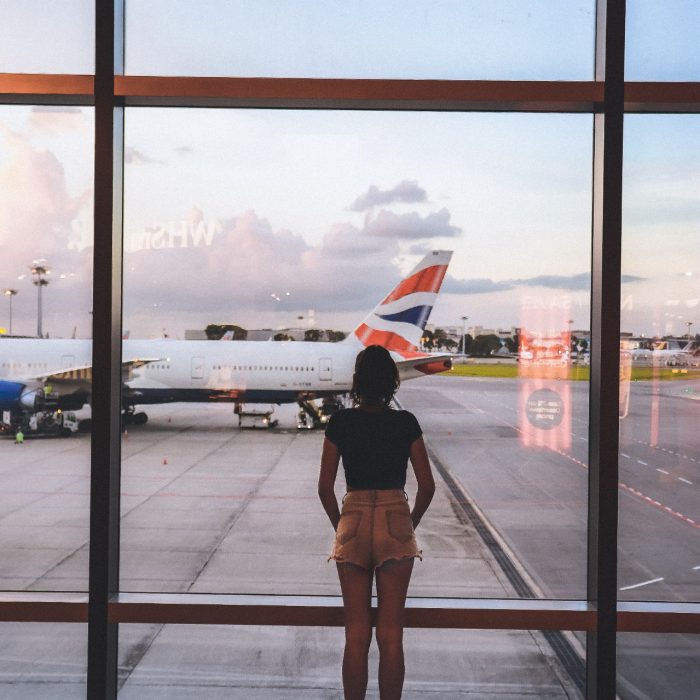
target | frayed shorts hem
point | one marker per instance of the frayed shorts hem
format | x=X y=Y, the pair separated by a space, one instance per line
x=340 y=559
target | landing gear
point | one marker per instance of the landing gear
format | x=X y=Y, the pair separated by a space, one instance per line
x=130 y=417
x=313 y=416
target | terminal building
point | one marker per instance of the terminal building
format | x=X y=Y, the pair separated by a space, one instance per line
x=178 y=161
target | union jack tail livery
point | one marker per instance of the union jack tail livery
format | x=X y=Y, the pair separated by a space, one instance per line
x=398 y=321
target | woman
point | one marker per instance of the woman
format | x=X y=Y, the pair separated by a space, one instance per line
x=375 y=531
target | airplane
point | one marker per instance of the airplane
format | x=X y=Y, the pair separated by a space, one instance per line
x=671 y=352
x=45 y=377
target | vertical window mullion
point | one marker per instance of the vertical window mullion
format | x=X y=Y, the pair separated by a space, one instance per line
x=605 y=355
x=106 y=351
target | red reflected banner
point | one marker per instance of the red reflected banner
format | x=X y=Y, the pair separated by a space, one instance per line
x=544 y=360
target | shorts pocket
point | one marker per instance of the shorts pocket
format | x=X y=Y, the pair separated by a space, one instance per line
x=347 y=526
x=399 y=525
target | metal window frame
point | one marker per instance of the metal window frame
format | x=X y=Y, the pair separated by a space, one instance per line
x=607 y=98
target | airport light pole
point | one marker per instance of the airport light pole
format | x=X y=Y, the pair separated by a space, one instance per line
x=464 y=333
x=40 y=271
x=9 y=293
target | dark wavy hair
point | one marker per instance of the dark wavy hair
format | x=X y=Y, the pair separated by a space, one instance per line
x=376 y=377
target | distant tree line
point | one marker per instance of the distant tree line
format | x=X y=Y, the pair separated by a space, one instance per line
x=216 y=331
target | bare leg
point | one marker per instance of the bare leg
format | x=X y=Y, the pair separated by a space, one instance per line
x=356 y=586
x=392 y=584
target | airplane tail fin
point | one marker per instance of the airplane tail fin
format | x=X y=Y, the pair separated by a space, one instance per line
x=398 y=321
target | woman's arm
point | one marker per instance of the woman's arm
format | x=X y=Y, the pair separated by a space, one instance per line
x=424 y=477
x=326 y=480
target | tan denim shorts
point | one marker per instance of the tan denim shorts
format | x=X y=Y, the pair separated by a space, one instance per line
x=375 y=526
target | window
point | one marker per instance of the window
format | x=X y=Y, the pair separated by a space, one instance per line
x=500 y=168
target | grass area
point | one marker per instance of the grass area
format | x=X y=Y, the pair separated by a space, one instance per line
x=576 y=373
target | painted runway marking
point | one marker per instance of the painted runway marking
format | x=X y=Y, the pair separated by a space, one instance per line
x=643 y=583
x=663 y=471
x=661 y=506
x=639 y=461
x=696 y=568
x=624 y=455
x=685 y=481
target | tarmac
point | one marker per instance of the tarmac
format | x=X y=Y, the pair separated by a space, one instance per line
x=207 y=507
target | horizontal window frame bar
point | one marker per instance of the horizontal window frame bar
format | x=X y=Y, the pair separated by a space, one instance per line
x=320 y=93
x=327 y=611
x=47 y=88
x=324 y=93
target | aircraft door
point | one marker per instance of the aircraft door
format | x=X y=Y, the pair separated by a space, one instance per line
x=325 y=369
x=197 y=368
x=67 y=361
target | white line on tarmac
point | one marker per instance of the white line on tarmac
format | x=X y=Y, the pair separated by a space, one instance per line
x=696 y=568
x=639 y=461
x=643 y=583
x=685 y=481
x=624 y=455
x=663 y=471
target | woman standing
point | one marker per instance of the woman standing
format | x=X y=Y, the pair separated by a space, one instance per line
x=375 y=531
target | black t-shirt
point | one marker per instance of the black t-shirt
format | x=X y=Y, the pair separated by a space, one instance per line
x=374 y=446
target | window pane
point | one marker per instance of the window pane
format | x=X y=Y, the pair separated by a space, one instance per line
x=297 y=224
x=658 y=665
x=506 y=39
x=41 y=660
x=662 y=40
x=46 y=285
x=659 y=443
x=209 y=662
x=47 y=37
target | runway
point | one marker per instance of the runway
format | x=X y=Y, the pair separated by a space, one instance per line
x=207 y=507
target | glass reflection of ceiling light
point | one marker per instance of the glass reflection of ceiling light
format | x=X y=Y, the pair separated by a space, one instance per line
x=688 y=274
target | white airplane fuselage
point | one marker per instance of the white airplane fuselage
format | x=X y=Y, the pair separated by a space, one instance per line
x=182 y=370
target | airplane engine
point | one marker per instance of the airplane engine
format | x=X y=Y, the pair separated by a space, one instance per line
x=435 y=367
x=16 y=396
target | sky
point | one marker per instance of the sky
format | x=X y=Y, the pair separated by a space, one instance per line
x=260 y=217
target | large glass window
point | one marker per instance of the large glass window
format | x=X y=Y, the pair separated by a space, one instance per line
x=659 y=446
x=273 y=662
x=662 y=40
x=42 y=660
x=265 y=221
x=657 y=666
x=47 y=37
x=507 y=39
x=45 y=347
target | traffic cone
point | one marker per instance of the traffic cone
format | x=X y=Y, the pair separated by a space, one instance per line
x=165 y=460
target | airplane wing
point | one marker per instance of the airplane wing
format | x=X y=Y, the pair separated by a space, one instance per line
x=419 y=363
x=83 y=373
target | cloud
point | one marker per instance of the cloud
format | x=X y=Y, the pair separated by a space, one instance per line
x=407 y=191
x=136 y=157
x=249 y=264
x=387 y=224
x=38 y=219
x=576 y=282
x=54 y=119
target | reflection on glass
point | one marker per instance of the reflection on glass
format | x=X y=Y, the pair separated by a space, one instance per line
x=506 y=39
x=659 y=444
x=662 y=40
x=657 y=665
x=48 y=37
x=280 y=236
x=42 y=660
x=273 y=662
x=45 y=347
